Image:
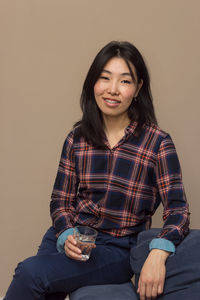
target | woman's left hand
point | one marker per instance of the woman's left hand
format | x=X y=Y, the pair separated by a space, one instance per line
x=152 y=276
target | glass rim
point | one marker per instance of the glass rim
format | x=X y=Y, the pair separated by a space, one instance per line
x=93 y=232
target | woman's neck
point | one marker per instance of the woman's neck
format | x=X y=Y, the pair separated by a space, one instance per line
x=114 y=129
x=114 y=125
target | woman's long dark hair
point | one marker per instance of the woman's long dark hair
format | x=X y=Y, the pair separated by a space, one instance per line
x=91 y=126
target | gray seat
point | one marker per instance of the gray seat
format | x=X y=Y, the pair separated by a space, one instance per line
x=124 y=291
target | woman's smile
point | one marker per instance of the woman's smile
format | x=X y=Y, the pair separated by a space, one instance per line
x=111 y=102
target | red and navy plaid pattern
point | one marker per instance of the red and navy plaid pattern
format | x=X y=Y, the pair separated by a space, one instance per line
x=118 y=190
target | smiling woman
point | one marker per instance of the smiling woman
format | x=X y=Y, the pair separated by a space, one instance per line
x=114 y=92
x=116 y=167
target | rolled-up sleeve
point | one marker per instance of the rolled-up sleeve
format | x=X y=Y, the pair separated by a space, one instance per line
x=171 y=192
x=65 y=189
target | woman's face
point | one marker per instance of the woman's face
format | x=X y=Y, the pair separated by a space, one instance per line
x=115 y=89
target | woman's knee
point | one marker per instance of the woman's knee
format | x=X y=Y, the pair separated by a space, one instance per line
x=27 y=272
x=26 y=283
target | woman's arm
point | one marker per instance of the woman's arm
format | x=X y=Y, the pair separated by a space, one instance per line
x=65 y=189
x=176 y=219
x=171 y=192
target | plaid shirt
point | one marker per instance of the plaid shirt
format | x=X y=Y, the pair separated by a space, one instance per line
x=118 y=190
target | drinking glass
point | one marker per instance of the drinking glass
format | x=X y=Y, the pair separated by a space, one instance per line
x=85 y=237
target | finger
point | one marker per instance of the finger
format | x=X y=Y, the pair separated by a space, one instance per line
x=160 y=288
x=148 y=290
x=142 y=291
x=71 y=243
x=72 y=251
x=138 y=289
x=71 y=239
x=72 y=248
x=73 y=255
x=154 y=291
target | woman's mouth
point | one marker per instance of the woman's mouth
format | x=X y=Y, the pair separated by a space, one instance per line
x=111 y=102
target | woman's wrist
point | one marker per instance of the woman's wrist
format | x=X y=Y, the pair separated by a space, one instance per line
x=160 y=254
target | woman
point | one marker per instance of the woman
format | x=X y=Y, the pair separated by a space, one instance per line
x=116 y=167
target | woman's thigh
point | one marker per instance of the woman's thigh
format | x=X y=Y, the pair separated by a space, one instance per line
x=50 y=272
x=107 y=264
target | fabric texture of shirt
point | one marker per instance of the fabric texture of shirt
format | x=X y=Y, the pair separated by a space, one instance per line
x=118 y=190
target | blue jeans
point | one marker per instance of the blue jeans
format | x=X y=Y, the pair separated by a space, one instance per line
x=52 y=275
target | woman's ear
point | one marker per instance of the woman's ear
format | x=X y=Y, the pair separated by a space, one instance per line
x=139 y=87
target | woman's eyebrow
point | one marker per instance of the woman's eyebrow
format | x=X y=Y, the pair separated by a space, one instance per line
x=126 y=74
x=123 y=74
x=106 y=71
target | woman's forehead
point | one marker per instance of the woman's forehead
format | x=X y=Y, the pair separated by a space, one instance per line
x=118 y=66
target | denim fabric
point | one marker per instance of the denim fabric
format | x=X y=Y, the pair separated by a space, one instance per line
x=188 y=293
x=52 y=275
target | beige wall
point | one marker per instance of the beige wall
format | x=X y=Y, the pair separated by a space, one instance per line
x=46 y=47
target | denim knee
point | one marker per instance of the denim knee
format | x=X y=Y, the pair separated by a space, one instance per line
x=26 y=283
x=27 y=274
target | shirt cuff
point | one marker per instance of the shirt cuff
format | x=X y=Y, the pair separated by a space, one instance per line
x=62 y=238
x=162 y=244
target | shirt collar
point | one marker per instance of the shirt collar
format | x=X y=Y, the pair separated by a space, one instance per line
x=130 y=128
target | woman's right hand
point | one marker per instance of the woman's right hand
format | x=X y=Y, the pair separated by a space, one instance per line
x=71 y=249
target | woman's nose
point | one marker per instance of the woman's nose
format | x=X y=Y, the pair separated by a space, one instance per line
x=113 y=88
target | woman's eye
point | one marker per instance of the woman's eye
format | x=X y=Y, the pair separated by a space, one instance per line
x=126 y=81
x=104 y=77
